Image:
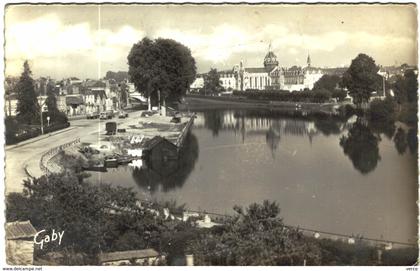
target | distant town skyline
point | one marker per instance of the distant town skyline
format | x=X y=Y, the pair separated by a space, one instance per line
x=86 y=41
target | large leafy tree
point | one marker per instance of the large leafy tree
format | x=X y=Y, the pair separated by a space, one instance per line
x=27 y=103
x=411 y=85
x=162 y=65
x=255 y=236
x=328 y=82
x=212 y=82
x=95 y=218
x=361 y=79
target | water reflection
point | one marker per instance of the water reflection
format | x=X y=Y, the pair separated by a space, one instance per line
x=169 y=174
x=400 y=140
x=361 y=146
x=412 y=140
x=273 y=124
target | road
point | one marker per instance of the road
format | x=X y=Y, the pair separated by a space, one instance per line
x=28 y=155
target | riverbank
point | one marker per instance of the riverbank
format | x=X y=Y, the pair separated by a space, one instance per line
x=197 y=102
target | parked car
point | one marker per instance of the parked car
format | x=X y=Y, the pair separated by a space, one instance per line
x=92 y=115
x=103 y=116
x=122 y=115
x=110 y=113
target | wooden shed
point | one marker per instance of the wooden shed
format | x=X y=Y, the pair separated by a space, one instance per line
x=159 y=150
x=20 y=243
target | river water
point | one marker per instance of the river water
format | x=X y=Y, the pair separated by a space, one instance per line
x=347 y=176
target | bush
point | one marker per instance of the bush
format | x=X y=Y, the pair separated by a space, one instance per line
x=16 y=133
x=381 y=110
x=318 y=96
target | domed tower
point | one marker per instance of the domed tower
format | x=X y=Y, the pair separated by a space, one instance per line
x=270 y=60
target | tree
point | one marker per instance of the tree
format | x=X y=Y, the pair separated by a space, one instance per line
x=255 y=236
x=119 y=76
x=411 y=85
x=361 y=79
x=400 y=91
x=123 y=94
x=161 y=67
x=27 y=103
x=328 y=82
x=212 y=82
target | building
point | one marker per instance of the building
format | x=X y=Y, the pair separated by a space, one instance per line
x=227 y=80
x=158 y=150
x=273 y=76
x=95 y=101
x=131 y=257
x=20 y=243
x=198 y=84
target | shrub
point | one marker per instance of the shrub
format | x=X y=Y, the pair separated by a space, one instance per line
x=381 y=110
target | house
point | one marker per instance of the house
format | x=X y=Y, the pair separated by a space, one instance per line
x=159 y=150
x=95 y=100
x=75 y=105
x=131 y=257
x=20 y=243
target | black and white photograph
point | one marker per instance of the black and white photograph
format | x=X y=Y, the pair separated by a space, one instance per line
x=210 y=134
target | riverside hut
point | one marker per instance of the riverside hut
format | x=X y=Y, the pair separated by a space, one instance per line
x=159 y=150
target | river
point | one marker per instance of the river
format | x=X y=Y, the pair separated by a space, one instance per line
x=341 y=176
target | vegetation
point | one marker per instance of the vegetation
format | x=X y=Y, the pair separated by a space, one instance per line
x=382 y=110
x=331 y=84
x=255 y=236
x=119 y=76
x=103 y=218
x=318 y=96
x=55 y=115
x=361 y=79
x=405 y=94
x=212 y=82
x=27 y=104
x=94 y=218
x=161 y=67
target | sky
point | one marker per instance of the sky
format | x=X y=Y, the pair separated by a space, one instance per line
x=88 y=40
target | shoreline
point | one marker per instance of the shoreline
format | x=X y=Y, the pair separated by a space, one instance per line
x=195 y=102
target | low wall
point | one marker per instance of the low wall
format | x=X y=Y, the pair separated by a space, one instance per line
x=45 y=157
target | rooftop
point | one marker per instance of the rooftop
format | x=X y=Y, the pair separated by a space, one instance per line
x=129 y=254
x=19 y=229
x=256 y=70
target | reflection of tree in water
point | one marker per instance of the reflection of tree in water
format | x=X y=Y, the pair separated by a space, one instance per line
x=327 y=126
x=361 y=146
x=383 y=127
x=272 y=137
x=213 y=120
x=400 y=141
x=412 y=140
x=169 y=174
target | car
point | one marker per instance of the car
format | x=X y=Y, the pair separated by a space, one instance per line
x=122 y=115
x=92 y=115
x=110 y=114
x=103 y=116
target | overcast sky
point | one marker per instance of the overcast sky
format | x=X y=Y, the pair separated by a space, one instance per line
x=88 y=40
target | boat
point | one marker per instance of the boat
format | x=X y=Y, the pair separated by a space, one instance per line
x=98 y=167
x=111 y=161
x=124 y=159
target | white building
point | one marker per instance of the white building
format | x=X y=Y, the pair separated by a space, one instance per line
x=197 y=84
x=273 y=76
